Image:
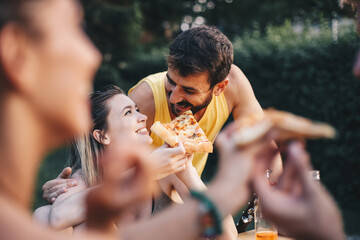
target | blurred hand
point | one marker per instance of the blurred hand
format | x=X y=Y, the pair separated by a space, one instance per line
x=54 y=188
x=127 y=181
x=167 y=160
x=231 y=187
x=300 y=207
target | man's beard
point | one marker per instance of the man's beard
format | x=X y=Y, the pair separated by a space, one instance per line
x=193 y=108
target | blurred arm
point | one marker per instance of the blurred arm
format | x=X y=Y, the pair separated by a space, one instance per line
x=68 y=209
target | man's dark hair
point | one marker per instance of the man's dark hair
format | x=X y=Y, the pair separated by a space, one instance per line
x=199 y=50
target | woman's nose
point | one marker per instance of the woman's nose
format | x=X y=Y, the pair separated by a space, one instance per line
x=142 y=117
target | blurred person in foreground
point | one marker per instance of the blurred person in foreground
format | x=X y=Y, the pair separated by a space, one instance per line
x=46 y=68
x=47 y=65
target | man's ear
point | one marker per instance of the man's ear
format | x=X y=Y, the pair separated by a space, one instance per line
x=16 y=58
x=101 y=137
x=220 y=87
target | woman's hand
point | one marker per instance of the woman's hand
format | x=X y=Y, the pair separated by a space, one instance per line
x=169 y=160
x=189 y=172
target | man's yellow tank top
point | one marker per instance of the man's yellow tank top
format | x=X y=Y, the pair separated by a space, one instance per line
x=211 y=122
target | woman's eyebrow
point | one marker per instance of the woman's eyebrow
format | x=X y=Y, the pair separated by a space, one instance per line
x=127 y=107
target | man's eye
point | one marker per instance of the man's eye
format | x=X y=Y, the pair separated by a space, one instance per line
x=171 y=82
x=190 y=92
x=128 y=112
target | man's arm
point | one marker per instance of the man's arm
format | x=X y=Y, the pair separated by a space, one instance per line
x=69 y=208
x=54 y=188
x=239 y=95
x=143 y=97
x=241 y=101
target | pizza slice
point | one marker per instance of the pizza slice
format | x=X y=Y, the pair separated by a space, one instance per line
x=186 y=129
x=285 y=125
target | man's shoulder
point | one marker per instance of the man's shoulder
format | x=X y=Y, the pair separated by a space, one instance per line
x=142 y=94
x=238 y=86
x=237 y=80
x=143 y=97
x=142 y=89
x=145 y=86
x=239 y=93
x=153 y=79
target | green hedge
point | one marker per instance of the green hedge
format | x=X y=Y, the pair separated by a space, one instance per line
x=307 y=73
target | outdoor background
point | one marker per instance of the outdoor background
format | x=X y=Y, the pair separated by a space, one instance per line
x=298 y=56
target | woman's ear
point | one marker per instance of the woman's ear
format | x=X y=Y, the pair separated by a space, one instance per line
x=101 y=137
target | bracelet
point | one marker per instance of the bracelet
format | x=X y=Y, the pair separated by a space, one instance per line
x=210 y=217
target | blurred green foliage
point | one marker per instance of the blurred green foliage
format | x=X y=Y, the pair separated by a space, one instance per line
x=311 y=75
x=305 y=72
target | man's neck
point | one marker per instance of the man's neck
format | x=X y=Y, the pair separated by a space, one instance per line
x=23 y=143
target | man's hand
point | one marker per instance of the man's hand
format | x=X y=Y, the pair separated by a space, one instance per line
x=299 y=206
x=54 y=188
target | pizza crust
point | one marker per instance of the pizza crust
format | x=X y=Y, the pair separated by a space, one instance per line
x=197 y=147
x=251 y=133
x=285 y=125
x=158 y=129
x=292 y=126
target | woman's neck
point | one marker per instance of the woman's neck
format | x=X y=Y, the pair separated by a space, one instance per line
x=23 y=143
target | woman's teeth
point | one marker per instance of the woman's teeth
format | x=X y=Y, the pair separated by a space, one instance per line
x=142 y=131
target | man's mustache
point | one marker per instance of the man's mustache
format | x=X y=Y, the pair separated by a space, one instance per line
x=184 y=104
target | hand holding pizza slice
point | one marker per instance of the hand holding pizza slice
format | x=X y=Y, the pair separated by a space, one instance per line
x=186 y=129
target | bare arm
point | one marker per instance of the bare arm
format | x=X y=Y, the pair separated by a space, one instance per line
x=42 y=214
x=68 y=209
x=15 y=223
x=242 y=102
x=240 y=96
x=187 y=180
x=228 y=191
x=191 y=181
